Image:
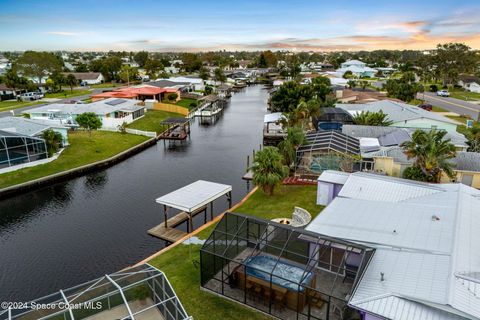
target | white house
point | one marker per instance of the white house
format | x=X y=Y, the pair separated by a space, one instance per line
x=197 y=83
x=426 y=262
x=87 y=78
x=357 y=67
x=113 y=112
x=403 y=115
x=469 y=83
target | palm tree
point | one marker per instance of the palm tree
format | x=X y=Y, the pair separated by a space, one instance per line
x=473 y=137
x=367 y=118
x=53 y=141
x=288 y=147
x=268 y=169
x=71 y=81
x=431 y=153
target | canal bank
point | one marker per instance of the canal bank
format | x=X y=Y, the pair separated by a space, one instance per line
x=61 y=235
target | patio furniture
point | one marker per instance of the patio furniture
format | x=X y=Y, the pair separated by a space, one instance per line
x=315 y=298
x=300 y=217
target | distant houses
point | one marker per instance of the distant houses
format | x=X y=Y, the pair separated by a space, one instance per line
x=469 y=83
x=358 y=69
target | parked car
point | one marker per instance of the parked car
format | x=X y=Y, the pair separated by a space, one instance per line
x=31 y=96
x=443 y=93
x=426 y=106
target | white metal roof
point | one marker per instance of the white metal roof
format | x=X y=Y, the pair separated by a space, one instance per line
x=427 y=245
x=273 y=117
x=332 y=176
x=194 y=195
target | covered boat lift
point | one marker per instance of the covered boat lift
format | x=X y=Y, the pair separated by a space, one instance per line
x=177 y=129
x=191 y=200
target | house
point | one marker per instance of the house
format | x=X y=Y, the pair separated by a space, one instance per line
x=404 y=115
x=197 y=83
x=469 y=83
x=425 y=236
x=168 y=84
x=113 y=112
x=360 y=96
x=32 y=127
x=358 y=69
x=332 y=119
x=466 y=169
x=140 y=92
x=87 y=78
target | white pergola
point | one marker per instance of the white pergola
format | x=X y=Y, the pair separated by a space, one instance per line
x=194 y=198
x=164 y=301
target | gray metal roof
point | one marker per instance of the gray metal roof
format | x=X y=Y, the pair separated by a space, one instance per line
x=391 y=152
x=23 y=126
x=194 y=195
x=427 y=242
x=467 y=161
x=330 y=140
x=396 y=111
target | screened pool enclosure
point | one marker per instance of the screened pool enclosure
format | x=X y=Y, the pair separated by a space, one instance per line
x=139 y=293
x=281 y=270
x=17 y=149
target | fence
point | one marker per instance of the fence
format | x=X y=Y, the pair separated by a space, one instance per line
x=150 y=134
x=170 y=108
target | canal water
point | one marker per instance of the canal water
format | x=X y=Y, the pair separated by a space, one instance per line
x=72 y=232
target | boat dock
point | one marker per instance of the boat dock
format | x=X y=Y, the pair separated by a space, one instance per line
x=168 y=232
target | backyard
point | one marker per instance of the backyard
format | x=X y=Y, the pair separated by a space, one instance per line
x=186 y=102
x=151 y=121
x=83 y=149
x=181 y=263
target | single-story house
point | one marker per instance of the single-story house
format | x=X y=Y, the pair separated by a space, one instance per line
x=112 y=111
x=466 y=168
x=469 y=83
x=358 y=68
x=32 y=127
x=197 y=83
x=140 y=92
x=426 y=263
x=404 y=115
x=360 y=96
x=168 y=84
x=87 y=78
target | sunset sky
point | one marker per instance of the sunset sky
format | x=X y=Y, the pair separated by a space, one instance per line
x=236 y=25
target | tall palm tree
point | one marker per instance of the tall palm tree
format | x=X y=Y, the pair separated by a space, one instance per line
x=367 y=118
x=53 y=141
x=288 y=147
x=268 y=169
x=431 y=153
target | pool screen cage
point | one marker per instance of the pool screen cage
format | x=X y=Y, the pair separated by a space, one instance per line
x=141 y=292
x=17 y=149
x=281 y=270
x=328 y=150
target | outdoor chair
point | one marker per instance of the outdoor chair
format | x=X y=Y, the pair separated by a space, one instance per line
x=300 y=217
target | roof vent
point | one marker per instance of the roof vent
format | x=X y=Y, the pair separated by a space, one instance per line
x=435 y=218
x=382 y=276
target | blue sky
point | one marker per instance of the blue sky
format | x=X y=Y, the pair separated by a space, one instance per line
x=236 y=25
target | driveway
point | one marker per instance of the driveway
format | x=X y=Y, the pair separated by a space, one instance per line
x=451 y=104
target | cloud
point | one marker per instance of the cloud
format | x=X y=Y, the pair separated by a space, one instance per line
x=64 y=33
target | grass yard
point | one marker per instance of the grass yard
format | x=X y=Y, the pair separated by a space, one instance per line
x=185 y=103
x=416 y=102
x=82 y=150
x=67 y=93
x=106 y=85
x=14 y=104
x=180 y=263
x=465 y=95
x=151 y=120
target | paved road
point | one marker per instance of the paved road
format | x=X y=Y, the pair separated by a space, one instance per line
x=452 y=104
x=77 y=98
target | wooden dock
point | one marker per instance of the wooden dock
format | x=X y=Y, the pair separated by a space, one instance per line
x=248 y=175
x=170 y=233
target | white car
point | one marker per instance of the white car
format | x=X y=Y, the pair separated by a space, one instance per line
x=443 y=93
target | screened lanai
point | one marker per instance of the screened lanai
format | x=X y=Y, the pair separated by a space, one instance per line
x=328 y=150
x=139 y=293
x=18 y=149
x=284 y=271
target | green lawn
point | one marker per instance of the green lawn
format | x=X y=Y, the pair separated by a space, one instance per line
x=180 y=263
x=185 y=103
x=151 y=120
x=13 y=104
x=67 y=93
x=106 y=85
x=465 y=95
x=82 y=150
x=416 y=102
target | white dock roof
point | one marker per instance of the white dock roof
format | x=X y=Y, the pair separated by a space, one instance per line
x=194 y=195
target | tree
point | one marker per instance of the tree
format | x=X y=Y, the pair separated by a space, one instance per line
x=57 y=81
x=268 y=169
x=153 y=67
x=204 y=74
x=402 y=89
x=473 y=138
x=352 y=84
x=191 y=62
x=367 y=118
x=348 y=74
x=53 y=141
x=267 y=59
x=431 y=153
x=220 y=76
x=208 y=90
x=71 y=81
x=38 y=64
x=12 y=80
x=109 y=67
x=89 y=121
x=364 y=84
x=289 y=95
x=141 y=58
x=453 y=59
x=127 y=73
x=81 y=67
x=288 y=147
